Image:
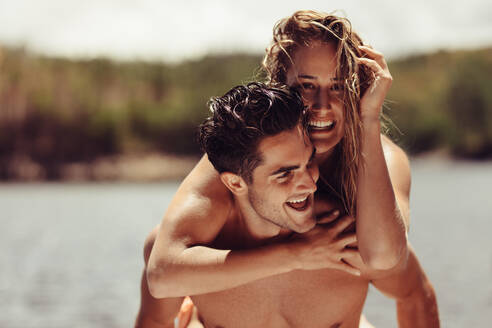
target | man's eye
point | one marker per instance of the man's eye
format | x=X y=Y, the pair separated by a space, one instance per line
x=285 y=174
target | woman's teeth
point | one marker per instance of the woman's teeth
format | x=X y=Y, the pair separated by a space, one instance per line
x=320 y=124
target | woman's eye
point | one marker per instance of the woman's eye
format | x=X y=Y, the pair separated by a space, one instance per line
x=337 y=87
x=308 y=86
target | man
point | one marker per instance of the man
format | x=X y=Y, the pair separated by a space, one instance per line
x=262 y=262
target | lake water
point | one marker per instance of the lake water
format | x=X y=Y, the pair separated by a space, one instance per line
x=71 y=255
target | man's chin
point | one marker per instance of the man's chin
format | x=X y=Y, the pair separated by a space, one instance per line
x=307 y=226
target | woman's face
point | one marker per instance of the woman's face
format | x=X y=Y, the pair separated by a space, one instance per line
x=313 y=74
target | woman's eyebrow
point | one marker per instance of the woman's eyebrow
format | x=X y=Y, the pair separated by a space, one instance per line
x=305 y=76
x=310 y=77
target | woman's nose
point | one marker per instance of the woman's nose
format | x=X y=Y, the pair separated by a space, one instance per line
x=322 y=100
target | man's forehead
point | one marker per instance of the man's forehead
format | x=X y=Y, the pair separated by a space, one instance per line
x=284 y=148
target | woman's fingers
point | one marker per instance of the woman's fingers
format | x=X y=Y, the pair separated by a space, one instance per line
x=349 y=253
x=372 y=64
x=347 y=240
x=329 y=217
x=372 y=101
x=370 y=50
x=342 y=224
x=381 y=76
x=347 y=268
x=374 y=54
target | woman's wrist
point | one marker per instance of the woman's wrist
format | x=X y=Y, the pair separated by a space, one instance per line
x=371 y=123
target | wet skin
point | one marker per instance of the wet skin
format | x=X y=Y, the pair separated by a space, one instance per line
x=269 y=301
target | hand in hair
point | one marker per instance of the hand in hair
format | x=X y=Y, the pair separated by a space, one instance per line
x=372 y=101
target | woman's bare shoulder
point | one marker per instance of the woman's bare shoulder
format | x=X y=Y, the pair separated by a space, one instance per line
x=392 y=151
x=399 y=171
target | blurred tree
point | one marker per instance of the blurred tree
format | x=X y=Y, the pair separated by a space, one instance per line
x=57 y=110
x=469 y=101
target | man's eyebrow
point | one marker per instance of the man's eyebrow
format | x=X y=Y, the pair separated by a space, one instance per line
x=293 y=167
x=285 y=169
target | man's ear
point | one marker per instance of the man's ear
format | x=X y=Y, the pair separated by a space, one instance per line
x=234 y=183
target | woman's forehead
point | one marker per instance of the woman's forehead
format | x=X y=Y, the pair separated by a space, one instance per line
x=315 y=61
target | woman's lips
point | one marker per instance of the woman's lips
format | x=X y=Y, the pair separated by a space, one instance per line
x=317 y=125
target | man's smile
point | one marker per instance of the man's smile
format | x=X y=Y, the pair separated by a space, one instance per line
x=299 y=204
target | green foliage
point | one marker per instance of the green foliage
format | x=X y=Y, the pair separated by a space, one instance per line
x=469 y=101
x=444 y=100
x=57 y=110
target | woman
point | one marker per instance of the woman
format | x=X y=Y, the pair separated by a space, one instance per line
x=343 y=84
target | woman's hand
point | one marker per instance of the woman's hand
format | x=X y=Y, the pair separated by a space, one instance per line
x=326 y=246
x=371 y=102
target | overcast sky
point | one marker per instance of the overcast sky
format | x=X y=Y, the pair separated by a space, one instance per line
x=175 y=30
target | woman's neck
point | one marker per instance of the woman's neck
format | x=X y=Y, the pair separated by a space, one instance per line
x=329 y=173
x=327 y=163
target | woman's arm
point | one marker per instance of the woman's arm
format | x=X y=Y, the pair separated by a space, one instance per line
x=182 y=263
x=409 y=286
x=383 y=186
x=415 y=297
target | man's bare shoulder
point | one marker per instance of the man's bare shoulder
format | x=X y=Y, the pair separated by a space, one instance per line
x=204 y=181
x=201 y=205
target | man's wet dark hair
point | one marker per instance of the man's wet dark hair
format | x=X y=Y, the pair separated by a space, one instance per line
x=241 y=119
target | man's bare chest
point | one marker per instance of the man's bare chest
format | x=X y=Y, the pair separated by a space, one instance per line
x=296 y=299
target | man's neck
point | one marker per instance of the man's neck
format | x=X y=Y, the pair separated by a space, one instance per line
x=255 y=227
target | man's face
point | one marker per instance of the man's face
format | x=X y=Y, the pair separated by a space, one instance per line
x=284 y=183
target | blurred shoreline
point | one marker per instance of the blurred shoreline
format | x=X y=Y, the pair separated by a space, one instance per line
x=144 y=167
x=154 y=167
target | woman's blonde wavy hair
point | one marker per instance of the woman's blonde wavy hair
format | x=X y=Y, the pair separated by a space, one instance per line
x=308 y=28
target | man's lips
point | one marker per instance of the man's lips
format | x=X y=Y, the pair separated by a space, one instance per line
x=299 y=204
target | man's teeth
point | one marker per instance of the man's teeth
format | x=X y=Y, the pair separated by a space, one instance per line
x=296 y=201
x=321 y=124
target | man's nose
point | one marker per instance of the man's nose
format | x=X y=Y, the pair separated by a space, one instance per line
x=308 y=180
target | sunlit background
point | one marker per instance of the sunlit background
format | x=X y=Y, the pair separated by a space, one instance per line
x=99 y=104
x=175 y=30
